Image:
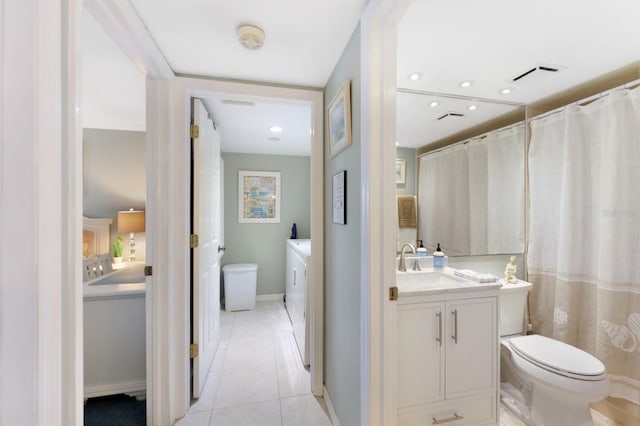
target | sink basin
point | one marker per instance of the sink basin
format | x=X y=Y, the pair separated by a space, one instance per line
x=415 y=282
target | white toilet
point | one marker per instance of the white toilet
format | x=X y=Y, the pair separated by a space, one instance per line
x=545 y=382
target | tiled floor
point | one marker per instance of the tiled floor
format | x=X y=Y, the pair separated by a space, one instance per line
x=257 y=377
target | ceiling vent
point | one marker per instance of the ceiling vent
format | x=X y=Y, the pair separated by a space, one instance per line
x=450 y=114
x=537 y=73
x=237 y=102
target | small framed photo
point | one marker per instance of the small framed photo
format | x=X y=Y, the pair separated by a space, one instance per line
x=339 y=112
x=258 y=197
x=340 y=198
x=401 y=178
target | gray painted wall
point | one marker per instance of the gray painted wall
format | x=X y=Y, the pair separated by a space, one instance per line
x=114 y=178
x=264 y=244
x=409 y=187
x=342 y=254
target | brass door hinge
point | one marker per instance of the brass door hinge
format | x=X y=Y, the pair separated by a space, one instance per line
x=393 y=293
x=193 y=240
x=193 y=350
x=148 y=271
x=195 y=131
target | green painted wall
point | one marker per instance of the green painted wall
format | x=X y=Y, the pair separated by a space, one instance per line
x=114 y=178
x=409 y=187
x=264 y=244
x=342 y=292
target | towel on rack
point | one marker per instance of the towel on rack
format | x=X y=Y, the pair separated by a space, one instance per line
x=407 y=213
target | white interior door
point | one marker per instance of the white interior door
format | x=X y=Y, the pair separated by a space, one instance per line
x=205 y=222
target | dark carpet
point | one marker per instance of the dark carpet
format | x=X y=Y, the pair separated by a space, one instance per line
x=114 y=410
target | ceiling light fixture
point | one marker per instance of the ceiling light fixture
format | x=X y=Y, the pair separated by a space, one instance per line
x=465 y=84
x=434 y=104
x=250 y=36
x=397 y=143
x=506 y=90
x=414 y=76
x=472 y=107
x=275 y=129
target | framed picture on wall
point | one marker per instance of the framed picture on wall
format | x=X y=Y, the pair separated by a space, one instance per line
x=401 y=178
x=339 y=113
x=340 y=198
x=258 y=197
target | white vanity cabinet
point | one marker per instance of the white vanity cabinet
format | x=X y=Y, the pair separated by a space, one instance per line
x=296 y=298
x=448 y=358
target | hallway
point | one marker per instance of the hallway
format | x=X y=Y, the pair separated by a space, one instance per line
x=257 y=377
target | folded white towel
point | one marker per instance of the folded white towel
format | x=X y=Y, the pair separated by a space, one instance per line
x=475 y=276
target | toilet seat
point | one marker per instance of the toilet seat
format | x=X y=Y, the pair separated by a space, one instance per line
x=558 y=357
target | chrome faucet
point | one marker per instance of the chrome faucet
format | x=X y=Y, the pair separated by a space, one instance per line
x=402 y=267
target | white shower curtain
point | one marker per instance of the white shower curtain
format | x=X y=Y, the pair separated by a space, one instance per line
x=471 y=195
x=584 y=241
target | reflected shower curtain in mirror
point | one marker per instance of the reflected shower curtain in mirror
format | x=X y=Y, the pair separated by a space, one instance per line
x=471 y=195
x=584 y=240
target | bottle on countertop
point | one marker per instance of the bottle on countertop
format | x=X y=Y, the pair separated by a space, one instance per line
x=421 y=251
x=438 y=258
x=294 y=231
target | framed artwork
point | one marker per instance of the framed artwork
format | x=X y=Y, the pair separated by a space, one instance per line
x=258 y=197
x=340 y=198
x=401 y=172
x=339 y=113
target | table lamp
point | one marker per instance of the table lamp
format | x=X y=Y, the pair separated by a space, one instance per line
x=131 y=221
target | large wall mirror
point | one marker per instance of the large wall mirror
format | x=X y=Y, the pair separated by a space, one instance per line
x=470 y=179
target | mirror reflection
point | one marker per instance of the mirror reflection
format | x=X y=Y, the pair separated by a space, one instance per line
x=469 y=172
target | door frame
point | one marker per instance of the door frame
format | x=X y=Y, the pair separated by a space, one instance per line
x=185 y=89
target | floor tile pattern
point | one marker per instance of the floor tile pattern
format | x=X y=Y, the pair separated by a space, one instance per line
x=257 y=377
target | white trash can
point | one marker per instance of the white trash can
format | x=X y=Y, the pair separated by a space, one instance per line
x=240 y=286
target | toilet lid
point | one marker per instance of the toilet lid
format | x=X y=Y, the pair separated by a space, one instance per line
x=558 y=357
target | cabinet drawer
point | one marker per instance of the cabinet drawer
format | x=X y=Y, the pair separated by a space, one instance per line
x=476 y=410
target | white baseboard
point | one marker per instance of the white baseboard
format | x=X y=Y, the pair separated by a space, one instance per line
x=332 y=412
x=268 y=297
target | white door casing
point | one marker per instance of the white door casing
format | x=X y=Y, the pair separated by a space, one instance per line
x=205 y=308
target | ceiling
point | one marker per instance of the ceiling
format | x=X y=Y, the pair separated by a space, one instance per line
x=448 y=41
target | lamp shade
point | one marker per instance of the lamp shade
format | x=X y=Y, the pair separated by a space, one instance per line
x=130 y=221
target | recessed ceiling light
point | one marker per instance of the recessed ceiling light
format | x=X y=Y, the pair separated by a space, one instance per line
x=397 y=143
x=506 y=90
x=275 y=129
x=466 y=84
x=434 y=104
x=415 y=76
x=472 y=107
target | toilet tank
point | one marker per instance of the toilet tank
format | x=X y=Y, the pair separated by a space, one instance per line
x=513 y=301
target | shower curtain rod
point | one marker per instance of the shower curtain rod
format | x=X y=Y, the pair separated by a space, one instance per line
x=586 y=101
x=479 y=137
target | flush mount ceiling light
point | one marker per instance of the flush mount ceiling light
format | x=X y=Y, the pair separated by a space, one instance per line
x=466 y=84
x=414 y=76
x=275 y=129
x=472 y=107
x=434 y=104
x=250 y=36
x=506 y=90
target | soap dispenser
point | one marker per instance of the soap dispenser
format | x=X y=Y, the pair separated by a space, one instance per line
x=422 y=251
x=438 y=258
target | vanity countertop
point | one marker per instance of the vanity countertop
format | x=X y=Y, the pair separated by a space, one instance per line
x=430 y=281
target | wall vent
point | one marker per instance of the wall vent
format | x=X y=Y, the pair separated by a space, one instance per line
x=537 y=73
x=450 y=114
x=238 y=103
